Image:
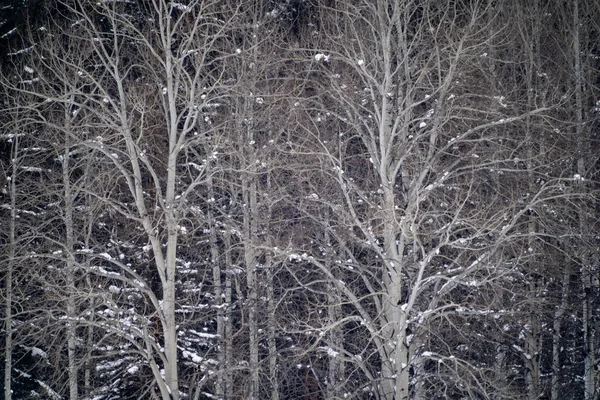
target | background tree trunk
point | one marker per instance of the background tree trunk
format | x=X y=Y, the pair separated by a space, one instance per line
x=10 y=262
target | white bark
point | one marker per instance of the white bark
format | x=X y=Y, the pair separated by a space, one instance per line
x=228 y=376
x=335 y=372
x=219 y=295
x=531 y=358
x=250 y=259
x=251 y=218
x=8 y=276
x=271 y=304
x=271 y=331
x=533 y=333
x=68 y=195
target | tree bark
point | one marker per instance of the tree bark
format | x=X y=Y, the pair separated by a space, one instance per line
x=228 y=375
x=588 y=282
x=251 y=262
x=8 y=277
x=271 y=304
x=218 y=293
x=68 y=209
x=556 y=335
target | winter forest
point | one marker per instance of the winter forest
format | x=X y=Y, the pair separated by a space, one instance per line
x=300 y=199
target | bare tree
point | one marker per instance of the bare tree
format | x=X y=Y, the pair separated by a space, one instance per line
x=405 y=124
x=135 y=95
x=12 y=177
x=590 y=283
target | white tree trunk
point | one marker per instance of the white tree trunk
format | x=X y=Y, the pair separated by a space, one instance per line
x=8 y=287
x=69 y=244
x=228 y=377
x=271 y=332
x=218 y=292
x=533 y=335
x=249 y=188
x=335 y=373
x=533 y=343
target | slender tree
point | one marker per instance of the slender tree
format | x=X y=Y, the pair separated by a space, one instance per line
x=12 y=177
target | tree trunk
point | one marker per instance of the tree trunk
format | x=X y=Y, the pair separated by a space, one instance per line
x=336 y=368
x=8 y=287
x=227 y=377
x=271 y=331
x=556 y=335
x=589 y=283
x=218 y=292
x=68 y=209
x=534 y=333
x=171 y=372
x=336 y=343
x=250 y=217
x=396 y=367
x=532 y=354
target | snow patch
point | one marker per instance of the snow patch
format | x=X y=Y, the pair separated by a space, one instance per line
x=133 y=369
x=36 y=351
x=193 y=356
x=321 y=57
